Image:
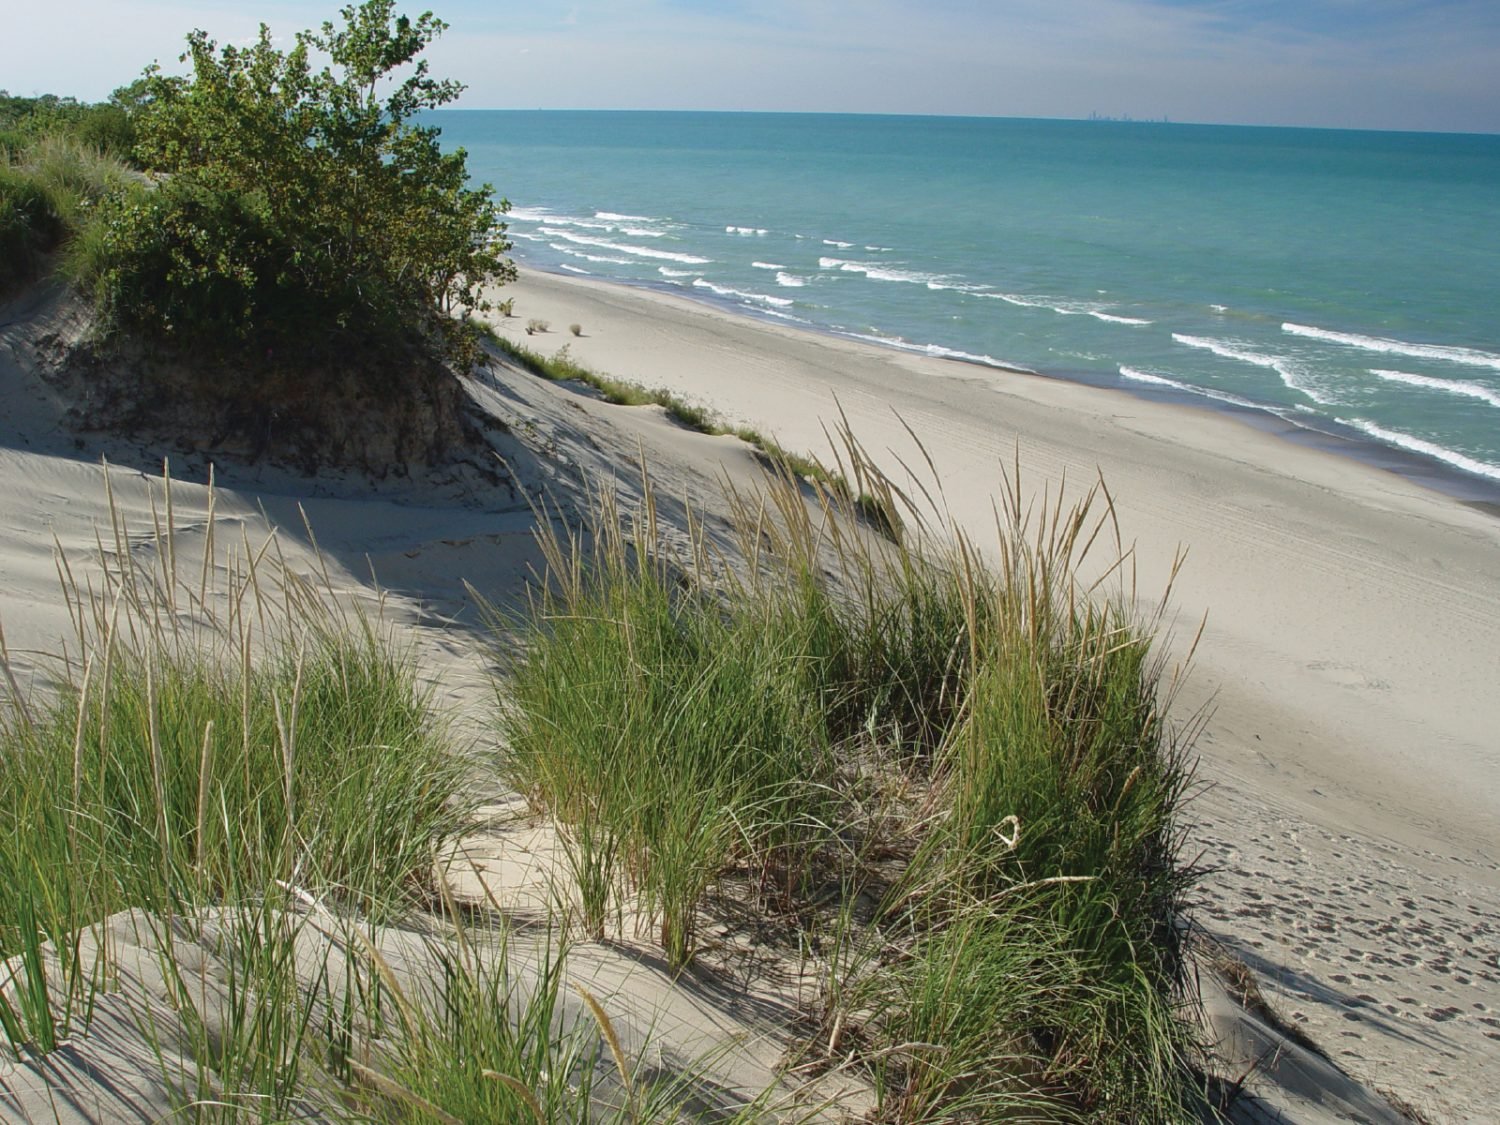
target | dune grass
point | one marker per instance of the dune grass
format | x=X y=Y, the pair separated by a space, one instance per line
x=49 y=186
x=691 y=718
x=221 y=739
x=946 y=772
x=195 y=761
x=636 y=679
x=868 y=505
x=235 y=768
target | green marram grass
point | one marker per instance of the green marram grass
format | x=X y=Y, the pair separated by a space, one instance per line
x=50 y=187
x=234 y=760
x=948 y=774
x=725 y=716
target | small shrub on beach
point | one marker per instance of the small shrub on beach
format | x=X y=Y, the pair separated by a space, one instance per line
x=576 y=329
x=535 y=326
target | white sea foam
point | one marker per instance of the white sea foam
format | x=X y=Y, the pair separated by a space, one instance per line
x=724 y=291
x=667 y=271
x=1146 y=377
x=1293 y=376
x=525 y=237
x=605 y=221
x=1053 y=304
x=937 y=351
x=879 y=249
x=529 y=215
x=1451 y=386
x=876 y=271
x=553 y=220
x=1067 y=308
x=1473 y=357
x=954 y=287
x=1219 y=308
x=1431 y=449
x=573 y=269
x=767 y=266
x=625 y=248
x=1137 y=376
x=1016 y=299
x=791 y=281
x=746 y=230
x=836 y=242
x=590 y=257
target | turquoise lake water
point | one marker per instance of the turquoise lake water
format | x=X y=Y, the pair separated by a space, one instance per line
x=1341 y=287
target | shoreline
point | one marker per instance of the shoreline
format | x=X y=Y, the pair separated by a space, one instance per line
x=1324 y=435
x=725 y=360
x=1347 y=766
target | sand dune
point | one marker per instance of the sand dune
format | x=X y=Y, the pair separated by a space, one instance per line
x=1346 y=670
x=1351 y=759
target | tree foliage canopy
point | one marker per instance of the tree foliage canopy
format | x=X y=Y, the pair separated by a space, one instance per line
x=299 y=216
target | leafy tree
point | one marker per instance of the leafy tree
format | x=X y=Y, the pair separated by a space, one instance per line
x=300 y=217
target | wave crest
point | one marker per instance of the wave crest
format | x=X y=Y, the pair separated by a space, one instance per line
x=1428 y=448
x=1473 y=357
x=725 y=291
x=1291 y=375
x=1450 y=386
x=625 y=248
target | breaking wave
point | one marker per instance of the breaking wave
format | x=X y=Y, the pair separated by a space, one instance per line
x=1471 y=356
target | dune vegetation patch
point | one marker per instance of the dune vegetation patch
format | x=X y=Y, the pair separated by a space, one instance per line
x=281 y=260
x=946 y=770
x=940 y=779
x=226 y=831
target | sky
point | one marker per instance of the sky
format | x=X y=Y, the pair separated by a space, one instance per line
x=1375 y=64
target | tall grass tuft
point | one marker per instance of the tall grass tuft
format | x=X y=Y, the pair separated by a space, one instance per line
x=682 y=718
x=213 y=732
x=235 y=782
x=49 y=186
x=665 y=728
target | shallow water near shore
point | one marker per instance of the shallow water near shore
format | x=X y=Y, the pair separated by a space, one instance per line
x=1342 y=283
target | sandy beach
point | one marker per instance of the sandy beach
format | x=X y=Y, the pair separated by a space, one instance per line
x=1350 y=765
x=1344 y=676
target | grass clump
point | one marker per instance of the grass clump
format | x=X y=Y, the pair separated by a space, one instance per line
x=50 y=186
x=192 y=781
x=205 y=828
x=640 y=671
x=197 y=758
x=684 y=720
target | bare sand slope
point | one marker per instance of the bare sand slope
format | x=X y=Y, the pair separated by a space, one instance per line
x=1349 y=660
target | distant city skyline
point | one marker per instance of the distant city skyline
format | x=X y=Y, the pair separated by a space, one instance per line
x=1375 y=64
